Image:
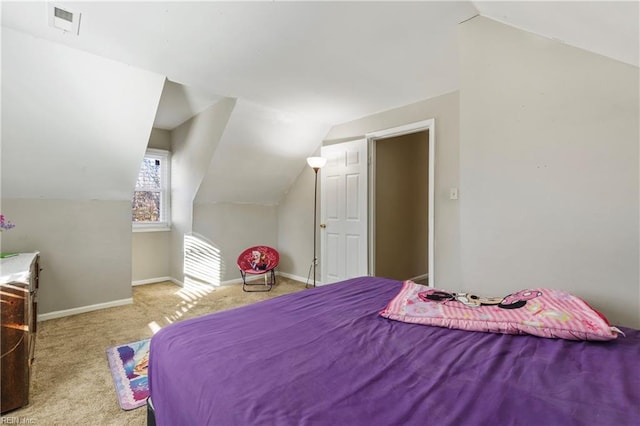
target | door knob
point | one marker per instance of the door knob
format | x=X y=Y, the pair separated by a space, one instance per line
x=323 y=225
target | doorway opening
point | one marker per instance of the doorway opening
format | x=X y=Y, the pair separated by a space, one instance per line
x=401 y=197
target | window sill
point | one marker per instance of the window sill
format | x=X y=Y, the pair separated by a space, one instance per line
x=150 y=228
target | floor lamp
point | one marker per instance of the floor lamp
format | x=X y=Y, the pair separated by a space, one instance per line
x=316 y=163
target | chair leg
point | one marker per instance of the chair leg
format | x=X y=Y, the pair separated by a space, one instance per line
x=244 y=280
x=267 y=286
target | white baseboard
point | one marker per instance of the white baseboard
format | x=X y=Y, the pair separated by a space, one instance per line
x=176 y=282
x=278 y=273
x=231 y=282
x=151 y=281
x=296 y=277
x=239 y=280
x=129 y=301
x=420 y=277
x=83 y=309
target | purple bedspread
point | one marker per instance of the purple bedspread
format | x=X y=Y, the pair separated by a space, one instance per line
x=325 y=357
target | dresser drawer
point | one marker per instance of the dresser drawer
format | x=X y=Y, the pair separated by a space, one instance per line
x=19 y=284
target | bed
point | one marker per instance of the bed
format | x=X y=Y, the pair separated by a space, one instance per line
x=326 y=357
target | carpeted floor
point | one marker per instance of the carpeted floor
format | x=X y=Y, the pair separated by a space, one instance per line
x=71 y=383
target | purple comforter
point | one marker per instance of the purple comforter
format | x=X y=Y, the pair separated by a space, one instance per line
x=325 y=357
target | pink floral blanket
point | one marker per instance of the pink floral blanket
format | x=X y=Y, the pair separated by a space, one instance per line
x=541 y=312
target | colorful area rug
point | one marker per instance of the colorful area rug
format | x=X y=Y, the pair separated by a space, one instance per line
x=128 y=364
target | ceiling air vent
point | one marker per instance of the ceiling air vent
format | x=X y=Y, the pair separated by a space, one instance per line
x=64 y=19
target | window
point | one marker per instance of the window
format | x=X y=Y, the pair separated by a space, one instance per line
x=151 y=206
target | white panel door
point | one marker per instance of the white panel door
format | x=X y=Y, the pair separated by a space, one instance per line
x=343 y=212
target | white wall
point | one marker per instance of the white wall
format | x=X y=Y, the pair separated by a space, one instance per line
x=151 y=259
x=192 y=146
x=444 y=109
x=549 y=169
x=295 y=226
x=74 y=130
x=85 y=249
x=160 y=139
x=228 y=229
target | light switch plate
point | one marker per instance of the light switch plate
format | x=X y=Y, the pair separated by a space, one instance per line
x=453 y=193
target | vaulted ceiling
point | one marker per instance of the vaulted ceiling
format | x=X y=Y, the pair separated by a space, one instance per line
x=316 y=63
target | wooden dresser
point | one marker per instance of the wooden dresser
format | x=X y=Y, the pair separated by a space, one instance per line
x=18 y=312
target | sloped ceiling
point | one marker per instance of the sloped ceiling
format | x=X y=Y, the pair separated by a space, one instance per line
x=179 y=103
x=609 y=28
x=322 y=63
x=74 y=125
x=262 y=158
x=330 y=61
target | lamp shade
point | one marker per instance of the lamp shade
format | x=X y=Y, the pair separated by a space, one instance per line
x=316 y=162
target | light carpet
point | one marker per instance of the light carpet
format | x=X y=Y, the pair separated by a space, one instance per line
x=71 y=383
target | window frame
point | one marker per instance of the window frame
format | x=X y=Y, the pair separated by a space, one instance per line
x=164 y=224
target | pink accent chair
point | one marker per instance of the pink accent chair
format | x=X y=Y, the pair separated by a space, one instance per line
x=258 y=260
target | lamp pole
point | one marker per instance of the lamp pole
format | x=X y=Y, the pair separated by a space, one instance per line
x=315 y=163
x=315 y=220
